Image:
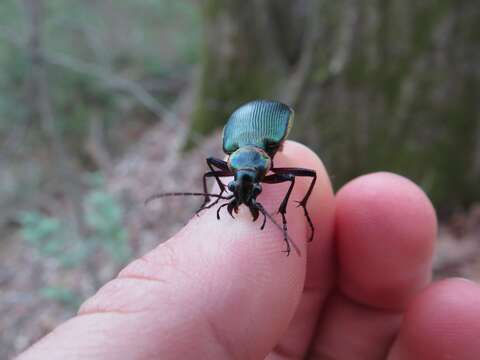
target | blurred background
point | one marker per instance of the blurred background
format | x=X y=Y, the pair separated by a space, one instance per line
x=103 y=103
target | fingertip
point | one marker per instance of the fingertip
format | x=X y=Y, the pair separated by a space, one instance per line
x=322 y=203
x=295 y=154
x=217 y=287
x=301 y=152
x=385 y=231
x=319 y=252
x=240 y=279
x=443 y=320
x=322 y=210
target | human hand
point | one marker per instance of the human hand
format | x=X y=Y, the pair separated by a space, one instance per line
x=223 y=289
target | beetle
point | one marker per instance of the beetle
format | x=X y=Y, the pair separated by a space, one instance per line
x=252 y=136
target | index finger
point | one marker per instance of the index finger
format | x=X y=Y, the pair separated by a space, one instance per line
x=216 y=289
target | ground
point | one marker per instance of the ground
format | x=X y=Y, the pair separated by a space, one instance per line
x=156 y=164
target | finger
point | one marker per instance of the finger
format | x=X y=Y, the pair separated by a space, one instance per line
x=385 y=233
x=217 y=289
x=320 y=268
x=350 y=330
x=443 y=322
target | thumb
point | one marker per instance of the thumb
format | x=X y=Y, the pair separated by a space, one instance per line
x=217 y=289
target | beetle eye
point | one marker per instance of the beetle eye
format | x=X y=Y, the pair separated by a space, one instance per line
x=271 y=145
x=231 y=186
x=257 y=189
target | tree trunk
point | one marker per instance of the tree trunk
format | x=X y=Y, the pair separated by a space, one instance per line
x=376 y=85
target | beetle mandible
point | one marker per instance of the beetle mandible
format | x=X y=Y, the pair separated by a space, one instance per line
x=251 y=138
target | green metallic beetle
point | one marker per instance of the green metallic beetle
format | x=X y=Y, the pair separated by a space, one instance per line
x=252 y=136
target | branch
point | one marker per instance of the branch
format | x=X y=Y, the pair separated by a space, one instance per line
x=109 y=79
x=94 y=145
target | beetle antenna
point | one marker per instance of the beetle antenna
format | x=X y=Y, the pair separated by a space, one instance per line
x=162 y=195
x=270 y=217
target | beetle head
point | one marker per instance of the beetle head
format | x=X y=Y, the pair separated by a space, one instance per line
x=245 y=187
x=249 y=166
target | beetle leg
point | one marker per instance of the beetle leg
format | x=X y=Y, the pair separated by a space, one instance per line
x=217 y=175
x=223 y=167
x=264 y=221
x=214 y=203
x=303 y=203
x=277 y=179
x=218 y=163
x=220 y=208
x=204 y=205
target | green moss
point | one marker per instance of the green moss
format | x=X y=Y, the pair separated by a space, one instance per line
x=212 y=8
x=216 y=100
x=426 y=18
x=427 y=136
x=357 y=72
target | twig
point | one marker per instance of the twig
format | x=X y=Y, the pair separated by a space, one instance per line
x=109 y=79
x=94 y=145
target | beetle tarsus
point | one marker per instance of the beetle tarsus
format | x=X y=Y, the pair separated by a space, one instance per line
x=220 y=208
x=205 y=206
x=287 y=250
x=264 y=222
x=303 y=205
x=285 y=232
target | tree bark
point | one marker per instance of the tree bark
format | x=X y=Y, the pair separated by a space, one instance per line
x=376 y=85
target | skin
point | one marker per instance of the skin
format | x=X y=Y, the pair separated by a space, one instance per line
x=223 y=289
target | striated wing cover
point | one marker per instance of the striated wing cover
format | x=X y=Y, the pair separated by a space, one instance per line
x=260 y=123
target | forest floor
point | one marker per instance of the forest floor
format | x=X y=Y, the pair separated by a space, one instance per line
x=155 y=164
